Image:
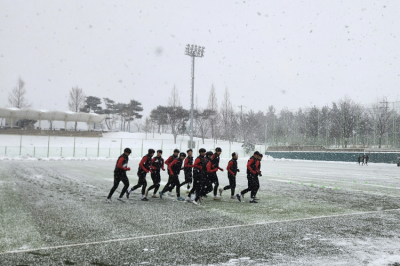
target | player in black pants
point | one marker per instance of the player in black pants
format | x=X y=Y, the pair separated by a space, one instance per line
x=202 y=182
x=120 y=174
x=168 y=162
x=252 y=179
x=144 y=168
x=174 y=169
x=214 y=176
x=232 y=171
x=157 y=163
x=258 y=166
x=187 y=168
x=197 y=172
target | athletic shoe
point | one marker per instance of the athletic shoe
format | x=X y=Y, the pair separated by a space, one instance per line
x=238 y=197
x=180 y=199
x=127 y=194
x=160 y=194
x=170 y=194
x=120 y=199
x=253 y=201
x=233 y=197
x=147 y=193
x=188 y=199
x=216 y=198
x=108 y=200
x=195 y=203
x=220 y=192
x=256 y=199
x=145 y=199
x=154 y=196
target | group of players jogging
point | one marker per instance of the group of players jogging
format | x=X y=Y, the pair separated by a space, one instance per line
x=202 y=172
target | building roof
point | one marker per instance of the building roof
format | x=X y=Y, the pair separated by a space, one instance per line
x=33 y=114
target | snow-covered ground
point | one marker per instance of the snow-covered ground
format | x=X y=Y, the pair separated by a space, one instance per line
x=309 y=213
x=110 y=145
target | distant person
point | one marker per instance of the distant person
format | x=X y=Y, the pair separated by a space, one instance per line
x=144 y=168
x=398 y=159
x=366 y=159
x=157 y=163
x=232 y=171
x=359 y=159
x=363 y=159
x=120 y=174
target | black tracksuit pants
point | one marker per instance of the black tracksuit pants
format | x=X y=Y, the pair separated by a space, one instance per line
x=201 y=185
x=141 y=183
x=196 y=183
x=232 y=184
x=156 y=177
x=188 y=180
x=252 y=185
x=118 y=179
x=214 y=180
x=173 y=182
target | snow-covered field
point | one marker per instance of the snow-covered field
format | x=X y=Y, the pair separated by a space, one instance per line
x=309 y=213
x=110 y=145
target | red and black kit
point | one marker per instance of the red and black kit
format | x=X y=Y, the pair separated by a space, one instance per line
x=120 y=175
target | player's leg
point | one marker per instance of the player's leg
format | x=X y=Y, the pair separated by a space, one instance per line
x=115 y=186
x=125 y=181
x=216 y=184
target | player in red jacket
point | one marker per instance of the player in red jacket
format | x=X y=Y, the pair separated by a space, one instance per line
x=252 y=178
x=232 y=171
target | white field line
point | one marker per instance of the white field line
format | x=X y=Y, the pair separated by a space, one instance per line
x=189 y=231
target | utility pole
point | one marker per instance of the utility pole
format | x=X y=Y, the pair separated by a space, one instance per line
x=193 y=51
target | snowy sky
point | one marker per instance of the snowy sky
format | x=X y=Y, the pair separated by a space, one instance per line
x=286 y=53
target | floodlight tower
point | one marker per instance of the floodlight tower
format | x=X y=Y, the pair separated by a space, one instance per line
x=193 y=51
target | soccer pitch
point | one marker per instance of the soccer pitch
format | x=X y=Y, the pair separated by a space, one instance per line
x=309 y=213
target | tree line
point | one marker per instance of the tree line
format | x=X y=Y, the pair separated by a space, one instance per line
x=343 y=123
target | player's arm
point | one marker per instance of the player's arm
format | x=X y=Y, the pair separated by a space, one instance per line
x=229 y=168
x=197 y=164
x=119 y=165
x=249 y=166
x=141 y=164
x=170 y=167
x=258 y=166
x=162 y=164
x=209 y=168
x=168 y=161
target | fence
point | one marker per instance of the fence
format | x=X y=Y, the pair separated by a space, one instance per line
x=76 y=147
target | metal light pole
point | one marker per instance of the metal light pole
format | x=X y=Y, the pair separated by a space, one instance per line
x=193 y=51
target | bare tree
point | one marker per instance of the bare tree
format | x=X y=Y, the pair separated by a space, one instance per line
x=226 y=114
x=176 y=116
x=76 y=101
x=147 y=126
x=382 y=116
x=16 y=98
x=213 y=106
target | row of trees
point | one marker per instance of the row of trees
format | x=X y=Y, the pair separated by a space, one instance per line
x=342 y=123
